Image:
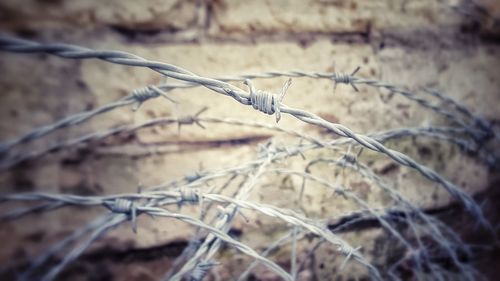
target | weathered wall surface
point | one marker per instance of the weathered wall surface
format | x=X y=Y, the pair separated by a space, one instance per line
x=409 y=43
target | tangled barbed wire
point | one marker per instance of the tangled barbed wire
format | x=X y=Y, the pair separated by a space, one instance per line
x=402 y=219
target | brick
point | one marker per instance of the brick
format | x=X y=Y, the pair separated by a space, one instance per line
x=329 y=16
x=144 y=15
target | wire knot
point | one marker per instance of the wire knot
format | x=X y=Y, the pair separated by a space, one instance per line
x=266 y=102
x=143 y=94
x=201 y=270
x=224 y=212
x=347 y=251
x=189 y=194
x=191 y=119
x=124 y=206
x=348 y=79
x=349 y=159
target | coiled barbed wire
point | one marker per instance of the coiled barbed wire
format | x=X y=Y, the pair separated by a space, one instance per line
x=125 y=206
x=448 y=134
x=310 y=118
x=121 y=203
x=342 y=78
x=75 y=52
x=266 y=102
x=95 y=200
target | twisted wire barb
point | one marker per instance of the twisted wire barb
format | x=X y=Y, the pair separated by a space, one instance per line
x=143 y=94
x=125 y=206
x=342 y=78
x=201 y=270
x=266 y=102
x=191 y=119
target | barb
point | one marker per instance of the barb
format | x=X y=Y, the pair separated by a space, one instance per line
x=191 y=119
x=143 y=94
x=342 y=78
x=125 y=206
x=267 y=102
x=201 y=270
x=76 y=52
x=348 y=252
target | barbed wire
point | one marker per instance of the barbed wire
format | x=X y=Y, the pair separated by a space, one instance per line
x=408 y=209
x=122 y=204
x=468 y=131
x=12 y=44
x=137 y=97
x=448 y=134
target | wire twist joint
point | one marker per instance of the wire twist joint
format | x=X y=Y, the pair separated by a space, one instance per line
x=143 y=94
x=342 y=78
x=124 y=206
x=267 y=102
